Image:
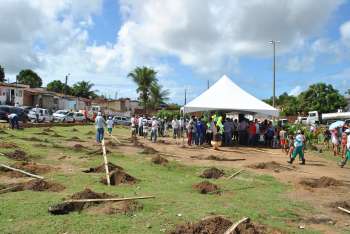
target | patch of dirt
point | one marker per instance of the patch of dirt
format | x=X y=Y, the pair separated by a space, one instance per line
x=63 y=157
x=216 y=158
x=119 y=177
x=66 y=207
x=269 y=166
x=101 y=168
x=212 y=173
x=99 y=151
x=159 y=160
x=343 y=204
x=148 y=150
x=164 y=142
x=111 y=144
x=18 y=155
x=30 y=167
x=36 y=185
x=218 y=225
x=321 y=219
x=322 y=182
x=206 y=187
x=8 y=145
x=57 y=146
x=112 y=208
x=78 y=147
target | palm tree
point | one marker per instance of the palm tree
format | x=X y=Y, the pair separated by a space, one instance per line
x=83 y=89
x=158 y=95
x=144 y=77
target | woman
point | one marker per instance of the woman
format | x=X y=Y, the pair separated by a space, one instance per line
x=335 y=142
x=344 y=141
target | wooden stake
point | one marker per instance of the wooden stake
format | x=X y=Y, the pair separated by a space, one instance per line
x=232 y=229
x=233 y=175
x=8 y=189
x=116 y=139
x=105 y=161
x=109 y=199
x=21 y=171
x=343 y=209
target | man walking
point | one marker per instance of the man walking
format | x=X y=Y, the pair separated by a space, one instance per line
x=298 y=148
x=100 y=123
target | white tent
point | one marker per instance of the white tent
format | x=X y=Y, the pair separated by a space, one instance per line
x=225 y=95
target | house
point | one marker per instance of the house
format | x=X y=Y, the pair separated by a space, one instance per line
x=10 y=94
x=41 y=97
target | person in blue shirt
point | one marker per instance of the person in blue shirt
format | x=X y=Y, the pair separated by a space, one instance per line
x=298 y=148
x=199 y=132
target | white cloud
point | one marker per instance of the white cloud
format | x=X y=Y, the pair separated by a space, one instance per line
x=295 y=91
x=345 y=32
x=301 y=63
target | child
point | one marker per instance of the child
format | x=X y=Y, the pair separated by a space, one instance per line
x=335 y=143
x=110 y=124
x=290 y=146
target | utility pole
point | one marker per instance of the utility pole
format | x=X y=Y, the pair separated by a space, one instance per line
x=208 y=84
x=65 y=85
x=185 y=96
x=273 y=42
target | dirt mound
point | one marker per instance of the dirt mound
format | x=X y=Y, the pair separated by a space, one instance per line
x=18 y=155
x=75 y=130
x=119 y=177
x=42 y=185
x=90 y=133
x=159 y=160
x=269 y=166
x=122 y=207
x=78 y=147
x=8 y=145
x=28 y=167
x=218 y=225
x=322 y=182
x=216 y=158
x=343 y=204
x=66 y=207
x=213 y=225
x=206 y=187
x=212 y=173
x=148 y=150
x=101 y=168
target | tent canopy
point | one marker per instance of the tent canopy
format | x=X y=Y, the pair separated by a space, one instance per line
x=225 y=95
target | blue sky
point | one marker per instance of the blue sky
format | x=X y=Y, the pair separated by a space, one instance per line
x=187 y=41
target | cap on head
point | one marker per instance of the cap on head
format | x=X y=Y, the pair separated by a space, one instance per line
x=347 y=131
x=99 y=113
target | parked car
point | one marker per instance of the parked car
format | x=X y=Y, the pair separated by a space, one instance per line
x=6 y=110
x=44 y=115
x=63 y=116
x=79 y=117
x=119 y=120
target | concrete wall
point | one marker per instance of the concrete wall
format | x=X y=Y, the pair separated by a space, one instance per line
x=11 y=95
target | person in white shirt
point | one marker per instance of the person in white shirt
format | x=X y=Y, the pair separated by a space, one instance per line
x=37 y=113
x=100 y=123
x=154 y=129
x=175 y=125
x=13 y=120
x=133 y=126
x=110 y=124
x=140 y=126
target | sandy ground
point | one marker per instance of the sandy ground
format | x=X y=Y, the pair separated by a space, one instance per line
x=244 y=157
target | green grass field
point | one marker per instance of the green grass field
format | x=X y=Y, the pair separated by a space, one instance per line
x=260 y=197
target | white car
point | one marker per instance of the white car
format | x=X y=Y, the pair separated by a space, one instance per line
x=63 y=116
x=44 y=115
x=78 y=117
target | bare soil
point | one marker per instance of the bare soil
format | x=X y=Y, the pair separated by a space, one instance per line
x=8 y=145
x=119 y=177
x=31 y=167
x=269 y=166
x=322 y=182
x=75 y=138
x=18 y=155
x=148 y=150
x=36 y=185
x=101 y=168
x=212 y=173
x=206 y=187
x=218 y=225
x=79 y=147
x=216 y=158
x=113 y=208
x=159 y=160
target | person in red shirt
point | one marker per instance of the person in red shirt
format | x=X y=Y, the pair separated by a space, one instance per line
x=252 y=133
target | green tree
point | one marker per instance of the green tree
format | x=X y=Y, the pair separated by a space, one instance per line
x=144 y=77
x=2 y=74
x=58 y=87
x=30 y=78
x=83 y=89
x=321 y=97
x=158 y=95
x=288 y=104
